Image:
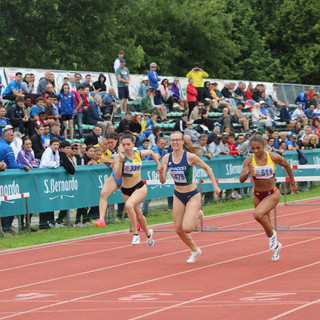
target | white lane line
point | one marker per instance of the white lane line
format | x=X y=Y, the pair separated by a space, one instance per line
x=294 y=310
x=173 y=275
x=225 y=291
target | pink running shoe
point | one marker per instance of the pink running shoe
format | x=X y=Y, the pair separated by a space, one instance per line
x=99 y=223
x=138 y=227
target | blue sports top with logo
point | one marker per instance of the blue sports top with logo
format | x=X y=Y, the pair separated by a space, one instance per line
x=182 y=173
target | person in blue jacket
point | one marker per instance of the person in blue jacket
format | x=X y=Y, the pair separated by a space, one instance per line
x=153 y=82
x=302 y=98
x=67 y=108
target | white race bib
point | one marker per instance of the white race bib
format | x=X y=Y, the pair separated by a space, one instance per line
x=263 y=173
x=132 y=167
x=178 y=176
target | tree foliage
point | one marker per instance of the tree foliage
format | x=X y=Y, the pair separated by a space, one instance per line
x=270 y=40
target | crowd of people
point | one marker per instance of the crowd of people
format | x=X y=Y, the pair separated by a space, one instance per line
x=38 y=123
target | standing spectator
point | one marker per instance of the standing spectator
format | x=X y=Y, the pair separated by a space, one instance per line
x=123 y=80
x=299 y=115
x=1 y=101
x=109 y=104
x=3 y=120
x=7 y=160
x=17 y=117
x=224 y=147
x=92 y=138
x=116 y=64
x=197 y=74
x=153 y=82
x=55 y=130
x=177 y=96
x=87 y=82
x=43 y=83
x=181 y=124
x=189 y=131
x=192 y=94
x=78 y=104
x=143 y=88
x=14 y=88
x=286 y=117
x=72 y=83
x=67 y=109
x=53 y=82
x=26 y=154
x=95 y=116
x=99 y=85
x=75 y=149
x=37 y=142
x=302 y=98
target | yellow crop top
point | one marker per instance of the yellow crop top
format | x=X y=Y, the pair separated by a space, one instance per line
x=264 y=172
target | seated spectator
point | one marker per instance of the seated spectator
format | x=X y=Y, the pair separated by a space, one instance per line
x=310 y=93
x=45 y=137
x=177 y=96
x=124 y=124
x=200 y=115
x=50 y=157
x=232 y=146
x=143 y=88
x=314 y=100
x=144 y=146
x=55 y=130
x=272 y=95
x=165 y=93
x=27 y=86
x=307 y=131
x=159 y=149
x=109 y=104
x=239 y=117
x=291 y=143
x=50 y=114
x=302 y=98
x=16 y=145
x=258 y=118
x=146 y=124
x=239 y=139
x=271 y=144
x=310 y=114
x=266 y=112
x=17 y=117
x=299 y=115
x=36 y=140
x=26 y=154
x=224 y=147
x=208 y=97
x=94 y=115
x=53 y=82
x=283 y=137
x=226 y=120
x=316 y=126
x=87 y=82
x=42 y=119
x=202 y=142
x=93 y=138
x=36 y=109
x=244 y=147
x=285 y=116
x=304 y=143
x=154 y=137
x=316 y=112
x=314 y=141
x=296 y=129
x=99 y=85
x=49 y=92
x=3 y=120
x=226 y=92
x=213 y=147
x=192 y=94
x=147 y=105
x=181 y=124
x=43 y=84
x=189 y=131
x=249 y=91
x=282 y=148
x=14 y=88
x=256 y=92
x=135 y=128
x=219 y=97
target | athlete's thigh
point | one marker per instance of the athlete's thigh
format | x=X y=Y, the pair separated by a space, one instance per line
x=109 y=186
x=268 y=203
x=138 y=195
x=178 y=209
x=192 y=209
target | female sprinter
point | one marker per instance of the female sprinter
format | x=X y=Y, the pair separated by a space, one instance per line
x=128 y=166
x=186 y=199
x=262 y=167
x=111 y=184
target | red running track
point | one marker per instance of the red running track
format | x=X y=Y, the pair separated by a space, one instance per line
x=104 y=277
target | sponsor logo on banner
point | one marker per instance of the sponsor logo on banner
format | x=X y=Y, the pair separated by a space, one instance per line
x=53 y=186
x=9 y=190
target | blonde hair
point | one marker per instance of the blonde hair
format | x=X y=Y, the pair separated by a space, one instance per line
x=314 y=136
x=256 y=105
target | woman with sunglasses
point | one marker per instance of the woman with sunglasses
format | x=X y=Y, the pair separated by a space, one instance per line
x=128 y=167
x=187 y=199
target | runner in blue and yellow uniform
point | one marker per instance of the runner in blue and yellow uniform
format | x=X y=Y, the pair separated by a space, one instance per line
x=128 y=167
x=186 y=199
x=262 y=165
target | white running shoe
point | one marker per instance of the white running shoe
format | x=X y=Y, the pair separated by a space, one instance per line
x=194 y=255
x=150 y=240
x=273 y=241
x=136 y=239
x=200 y=214
x=276 y=252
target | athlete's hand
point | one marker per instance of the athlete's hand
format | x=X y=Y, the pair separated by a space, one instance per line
x=216 y=191
x=251 y=167
x=294 y=188
x=121 y=157
x=160 y=168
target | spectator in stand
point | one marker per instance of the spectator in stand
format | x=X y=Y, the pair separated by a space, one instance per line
x=109 y=104
x=3 y=120
x=53 y=82
x=55 y=130
x=26 y=154
x=314 y=100
x=258 y=118
x=214 y=148
x=256 y=93
x=43 y=83
x=124 y=124
x=266 y=112
x=153 y=82
x=282 y=148
x=72 y=83
x=123 y=81
x=197 y=74
x=87 y=82
x=192 y=94
x=50 y=110
x=146 y=124
x=27 y=86
x=227 y=94
x=143 y=88
x=182 y=123
x=219 y=97
x=116 y=64
x=1 y=101
x=304 y=143
x=67 y=109
x=286 y=117
x=27 y=106
x=78 y=80
x=148 y=104
x=14 y=88
x=135 y=128
x=36 y=109
x=291 y=144
x=189 y=131
x=45 y=137
x=37 y=142
x=272 y=98
x=316 y=112
x=306 y=132
x=314 y=141
x=165 y=94
x=249 y=91
x=206 y=96
x=302 y=98
x=310 y=93
x=49 y=91
x=94 y=115
x=240 y=91
x=88 y=158
x=239 y=117
x=227 y=119
x=78 y=104
x=202 y=142
x=99 y=85
x=224 y=147
x=266 y=145
x=154 y=137
x=283 y=137
x=316 y=126
x=159 y=148
x=75 y=148
x=271 y=144
x=17 y=117
x=244 y=147
x=200 y=115
x=177 y=96
x=299 y=115
x=144 y=146
x=92 y=138
x=42 y=119
x=232 y=146
x=239 y=139
x=310 y=114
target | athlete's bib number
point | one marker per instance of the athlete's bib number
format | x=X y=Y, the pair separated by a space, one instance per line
x=263 y=172
x=132 y=168
x=178 y=176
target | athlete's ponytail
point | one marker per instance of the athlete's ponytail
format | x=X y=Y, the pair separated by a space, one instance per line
x=189 y=147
